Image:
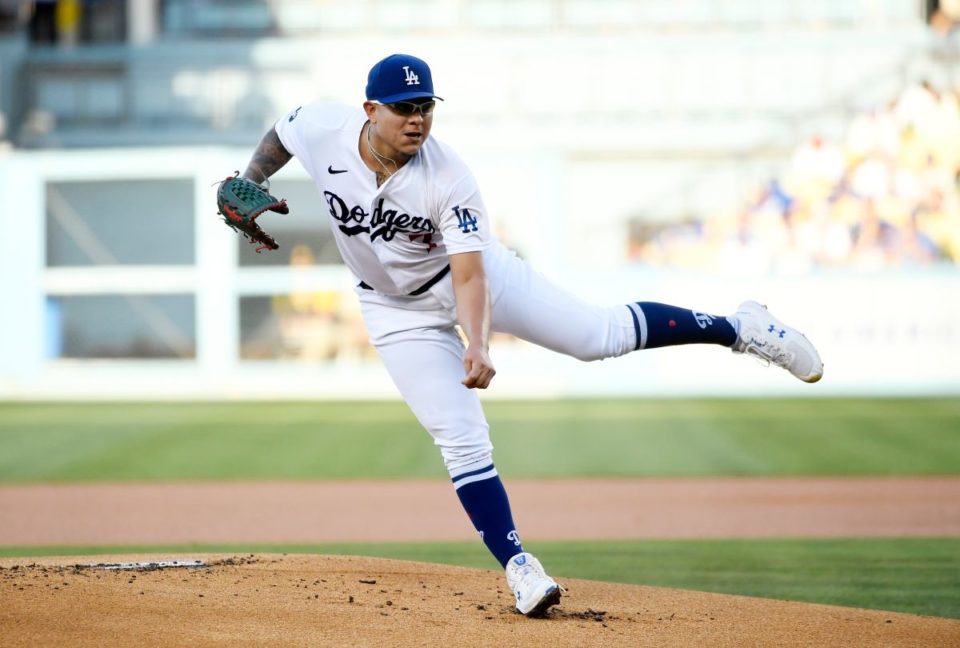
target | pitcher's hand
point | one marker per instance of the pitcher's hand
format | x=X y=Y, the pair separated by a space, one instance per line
x=478 y=367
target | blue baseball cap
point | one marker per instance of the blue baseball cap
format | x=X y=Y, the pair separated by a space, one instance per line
x=400 y=77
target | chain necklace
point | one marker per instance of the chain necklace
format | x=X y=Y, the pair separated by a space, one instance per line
x=381 y=177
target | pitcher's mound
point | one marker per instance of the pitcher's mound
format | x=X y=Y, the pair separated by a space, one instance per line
x=299 y=600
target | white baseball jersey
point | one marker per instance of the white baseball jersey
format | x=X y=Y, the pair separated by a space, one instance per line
x=396 y=237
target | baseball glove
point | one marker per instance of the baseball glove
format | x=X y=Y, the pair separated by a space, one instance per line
x=241 y=201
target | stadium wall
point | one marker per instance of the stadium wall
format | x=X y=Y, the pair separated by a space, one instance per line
x=207 y=320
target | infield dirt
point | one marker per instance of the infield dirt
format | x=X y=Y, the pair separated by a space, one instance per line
x=279 y=600
x=428 y=511
x=276 y=600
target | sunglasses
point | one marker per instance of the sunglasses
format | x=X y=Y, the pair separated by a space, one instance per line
x=407 y=108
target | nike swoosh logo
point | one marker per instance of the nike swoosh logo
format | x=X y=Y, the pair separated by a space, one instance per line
x=330 y=169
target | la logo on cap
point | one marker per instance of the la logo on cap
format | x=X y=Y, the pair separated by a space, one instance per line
x=399 y=77
x=411 y=78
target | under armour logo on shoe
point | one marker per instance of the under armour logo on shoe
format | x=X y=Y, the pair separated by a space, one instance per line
x=773 y=328
x=520 y=560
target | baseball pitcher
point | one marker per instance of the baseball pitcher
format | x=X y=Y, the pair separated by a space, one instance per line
x=411 y=225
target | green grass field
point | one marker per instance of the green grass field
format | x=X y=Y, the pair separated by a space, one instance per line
x=573 y=438
x=65 y=442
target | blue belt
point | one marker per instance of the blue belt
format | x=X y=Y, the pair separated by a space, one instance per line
x=422 y=289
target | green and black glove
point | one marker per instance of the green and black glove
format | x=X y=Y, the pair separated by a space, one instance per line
x=241 y=201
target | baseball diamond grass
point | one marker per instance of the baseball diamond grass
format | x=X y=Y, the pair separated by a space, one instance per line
x=571 y=438
x=917 y=576
x=70 y=442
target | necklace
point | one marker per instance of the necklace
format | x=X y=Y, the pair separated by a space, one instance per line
x=381 y=159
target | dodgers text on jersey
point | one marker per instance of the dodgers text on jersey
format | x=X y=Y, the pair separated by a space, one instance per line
x=383 y=223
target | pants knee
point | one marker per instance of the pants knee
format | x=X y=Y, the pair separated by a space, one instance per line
x=458 y=456
x=588 y=355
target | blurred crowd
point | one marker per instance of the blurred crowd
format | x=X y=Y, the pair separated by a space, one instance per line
x=886 y=196
x=306 y=324
x=64 y=23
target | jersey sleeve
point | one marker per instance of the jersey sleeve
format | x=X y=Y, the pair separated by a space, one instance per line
x=464 y=223
x=294 y=131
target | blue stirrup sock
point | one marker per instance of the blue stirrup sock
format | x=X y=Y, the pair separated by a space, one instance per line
x=485 y=500
x=660 y=325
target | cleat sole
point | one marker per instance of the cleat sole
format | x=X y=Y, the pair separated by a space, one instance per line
x=551 y=598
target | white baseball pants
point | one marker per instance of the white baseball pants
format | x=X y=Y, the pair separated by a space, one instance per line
x=417 y=340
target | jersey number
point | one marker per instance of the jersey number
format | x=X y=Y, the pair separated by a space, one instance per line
x=467 y=222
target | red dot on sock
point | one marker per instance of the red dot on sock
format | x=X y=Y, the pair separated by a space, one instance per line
x=672 y=324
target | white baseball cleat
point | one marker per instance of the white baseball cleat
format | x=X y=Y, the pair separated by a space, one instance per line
x=534 y=590
x=762 y=335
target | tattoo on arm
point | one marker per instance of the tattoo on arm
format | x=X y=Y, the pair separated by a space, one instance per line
x=268 y=158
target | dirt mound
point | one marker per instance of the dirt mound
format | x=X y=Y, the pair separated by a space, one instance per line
x=296 y=600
